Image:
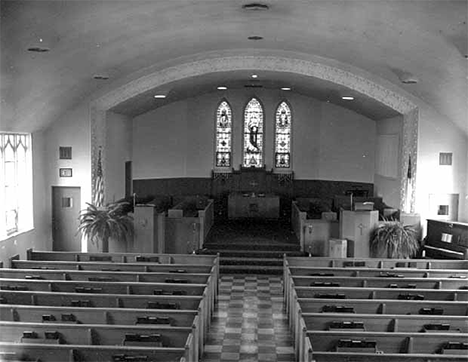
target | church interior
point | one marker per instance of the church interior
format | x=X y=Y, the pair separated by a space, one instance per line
x=234 y=180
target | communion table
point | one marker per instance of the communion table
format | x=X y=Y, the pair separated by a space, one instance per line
x=253 y=205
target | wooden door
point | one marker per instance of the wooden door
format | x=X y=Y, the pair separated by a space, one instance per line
x=66 y=205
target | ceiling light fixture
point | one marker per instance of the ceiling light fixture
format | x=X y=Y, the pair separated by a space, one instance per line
x=100 y=77
x=347 y=98
x=286 y=88
x=255 y=37
x=160 y=96
x=255 y=7
x=38 y=49
x=222 y=87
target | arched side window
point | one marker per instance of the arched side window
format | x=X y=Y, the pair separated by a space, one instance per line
x=283 y=120
x=223 y=135
x=253 y=134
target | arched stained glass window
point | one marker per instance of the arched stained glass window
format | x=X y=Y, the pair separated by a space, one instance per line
x=283 y=121
x=253 y=134
x=223 y=135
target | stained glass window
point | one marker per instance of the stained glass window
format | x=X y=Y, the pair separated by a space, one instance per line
x=15 y=183
x=223 y=135
x=283 y=136
x=253 y=134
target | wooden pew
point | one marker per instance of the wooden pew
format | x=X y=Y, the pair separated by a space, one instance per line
x=374 y=263
x=369 y=306
x=111 y=266
x=386 y=323
x=94 y=334
x=373 y=282
x=79 y=353
x=382 y=293
x=145 y=336
x=107 y=276
x=387 y=342
x=174 y=286
x=102 y=300
x=378 y=272
x=83 y=315
x=189 y=259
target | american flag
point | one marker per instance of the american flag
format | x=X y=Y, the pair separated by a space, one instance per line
x=98 y=186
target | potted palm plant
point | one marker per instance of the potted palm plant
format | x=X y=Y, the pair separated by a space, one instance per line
x=99 y=224
x=392 y=239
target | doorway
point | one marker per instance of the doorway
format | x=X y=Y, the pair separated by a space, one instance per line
x=66 y=205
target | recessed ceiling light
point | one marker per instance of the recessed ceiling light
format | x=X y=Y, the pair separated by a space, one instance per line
x=160 y=96
x=347 y=98
x=255 y=7
x=254 y=76
x=255 y=37
x=100 y=77
x=286 y=88
x=222 y=87
x=38 y=49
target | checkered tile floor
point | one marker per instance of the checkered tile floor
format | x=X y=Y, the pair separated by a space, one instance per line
x=249 y=322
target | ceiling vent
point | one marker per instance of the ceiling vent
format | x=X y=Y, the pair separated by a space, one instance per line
x=255 y=7
x=38 y=49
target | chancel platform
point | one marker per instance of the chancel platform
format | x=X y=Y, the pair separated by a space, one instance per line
x=253 y=205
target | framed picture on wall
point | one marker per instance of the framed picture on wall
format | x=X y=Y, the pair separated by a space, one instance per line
x=66 y=172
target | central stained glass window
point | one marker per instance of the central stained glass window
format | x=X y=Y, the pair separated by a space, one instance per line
x=253 y=134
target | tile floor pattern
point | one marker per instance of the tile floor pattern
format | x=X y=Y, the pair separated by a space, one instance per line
x=249 y=322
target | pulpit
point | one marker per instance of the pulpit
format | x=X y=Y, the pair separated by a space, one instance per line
x=357 y=227
x=149 y=226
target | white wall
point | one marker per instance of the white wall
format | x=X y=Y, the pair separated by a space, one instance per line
x=347 y=145
x=329 y=142
x=118 y=151
x=437 y=134
x=388 y=187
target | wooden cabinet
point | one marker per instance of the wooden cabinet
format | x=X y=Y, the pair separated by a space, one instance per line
x=356 y=227
x=446 y=240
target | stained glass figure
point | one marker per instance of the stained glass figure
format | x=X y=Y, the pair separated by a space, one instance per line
x=283 y=136
x=253 y=134
x=223 y=135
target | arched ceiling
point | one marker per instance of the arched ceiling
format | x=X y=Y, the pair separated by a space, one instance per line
x=392 y=40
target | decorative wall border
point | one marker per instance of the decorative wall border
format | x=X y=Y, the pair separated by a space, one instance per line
x=384 y=95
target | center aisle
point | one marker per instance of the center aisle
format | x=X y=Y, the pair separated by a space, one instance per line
x=249 y=323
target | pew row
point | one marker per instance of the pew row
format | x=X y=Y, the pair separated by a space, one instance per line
x=84 y=315
x=374 y=263
x=105 y=276
x=172 y=286
x=382 y=293
x=79 y=353
x=123 y=257
x=95 y=334
x=111 y=266
x=373 y=282
x=379 y=272
x=386 y=323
